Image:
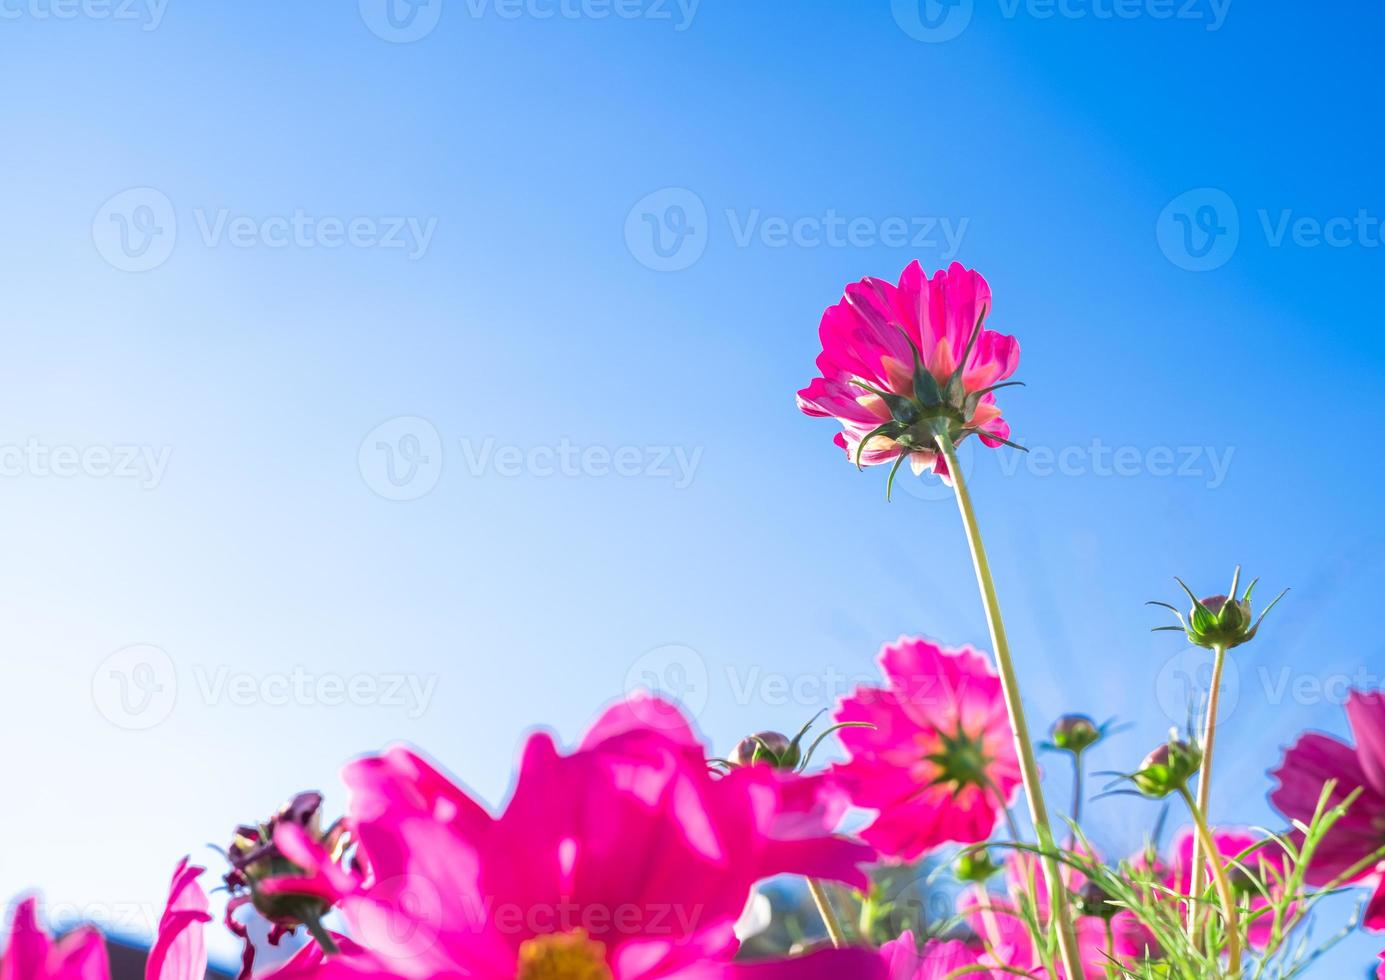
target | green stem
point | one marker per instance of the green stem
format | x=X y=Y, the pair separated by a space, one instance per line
x=1076 y=795
x=1029 y=766
x=1228 y=898
x=829 y=916
x=1204 y=783
x=324 y=939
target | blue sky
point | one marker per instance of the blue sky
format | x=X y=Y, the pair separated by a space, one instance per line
x=349 y=397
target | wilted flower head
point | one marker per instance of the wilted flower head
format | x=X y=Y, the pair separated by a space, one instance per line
x=902 y=363
x=1220 y=620
x=934 y=753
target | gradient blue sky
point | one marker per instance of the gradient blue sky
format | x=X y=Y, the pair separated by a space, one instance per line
x=1060 y=151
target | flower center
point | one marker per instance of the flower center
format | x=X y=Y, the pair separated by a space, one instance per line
x=961 y=760
x=563 y=956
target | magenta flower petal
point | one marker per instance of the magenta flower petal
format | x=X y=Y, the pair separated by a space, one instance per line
x=1306 y=769
x=937 y=761
x=31 y=955
x=180 y=949
x=870 y=343
x=628 y=852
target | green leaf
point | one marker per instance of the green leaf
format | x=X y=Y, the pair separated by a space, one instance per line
x=889 y=484
x=881 y=429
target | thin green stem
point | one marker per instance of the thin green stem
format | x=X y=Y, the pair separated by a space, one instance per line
x=829 y=915
x=1076 y=793
x=324 y=938
x=1204 y=783
x=1230 y=910
x=1024 y=747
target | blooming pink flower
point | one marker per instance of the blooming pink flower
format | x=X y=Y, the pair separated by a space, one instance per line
x=1307 y=767
x=938 y=760
x=896 y=357
x=937 y=960
x=627 y=859
x=31 y=955
x=1266 y=863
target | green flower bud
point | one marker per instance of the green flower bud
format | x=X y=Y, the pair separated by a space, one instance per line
x=767 y=748
x=976 y=865
x=1221 y=620
x=1167 y=768
x=1094 y=900
x=1075 y=734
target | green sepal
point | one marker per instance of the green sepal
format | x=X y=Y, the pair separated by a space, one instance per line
x=889 y=484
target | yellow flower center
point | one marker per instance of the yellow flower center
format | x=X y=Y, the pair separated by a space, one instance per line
x=563 y=956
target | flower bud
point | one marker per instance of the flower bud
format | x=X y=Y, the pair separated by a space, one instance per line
x=767 y=748
x=1167 y=768
x=975 y=865
x=1075 y=734
x=1094 y=900
x=255 y=858
x=1222 y=621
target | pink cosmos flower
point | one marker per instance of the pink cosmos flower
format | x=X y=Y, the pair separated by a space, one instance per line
x=1267 y=864
x=938 y=760
x=897 y=358
x=628 y=859
x=1307 y=767
x=31 y=955
x=937 y=960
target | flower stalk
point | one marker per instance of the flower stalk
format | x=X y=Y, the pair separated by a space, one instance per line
x=1204 y=779
x=1230 y=910
x=829 y=915
x=1029 y=767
